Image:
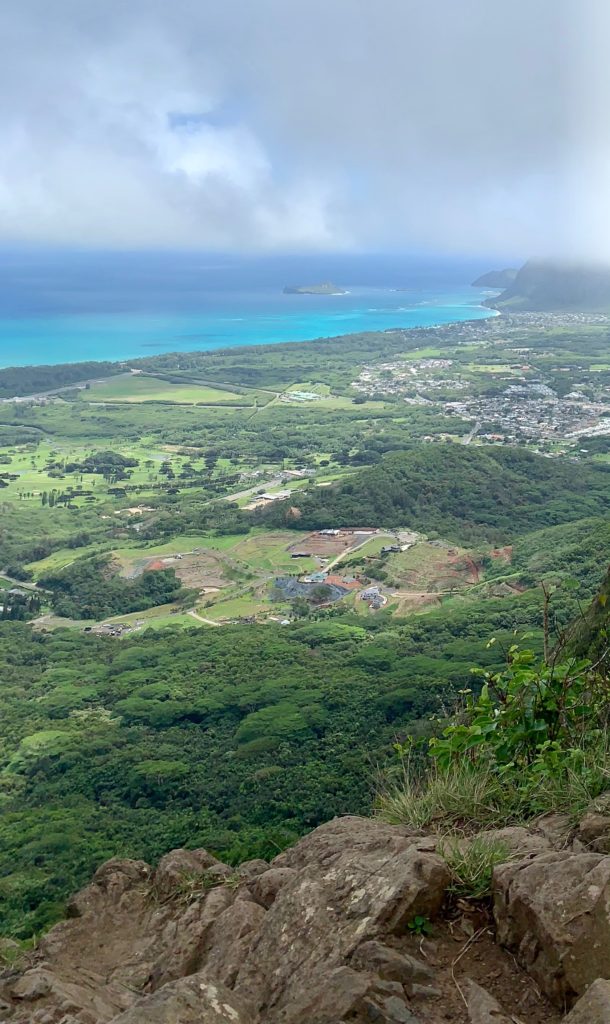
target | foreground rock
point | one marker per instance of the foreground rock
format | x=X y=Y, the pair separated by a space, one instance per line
x=482 y=1007
x=192 y=1000
x=328 y=933
x=194 y=941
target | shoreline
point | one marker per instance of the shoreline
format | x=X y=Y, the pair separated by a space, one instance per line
x=533 y=319
x=155 y=351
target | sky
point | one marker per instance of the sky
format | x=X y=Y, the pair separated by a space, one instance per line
x=467 y=126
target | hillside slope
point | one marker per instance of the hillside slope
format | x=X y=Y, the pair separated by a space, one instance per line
x=495 y=279
x=554 y=287
x=591 y=634
x=463 y=493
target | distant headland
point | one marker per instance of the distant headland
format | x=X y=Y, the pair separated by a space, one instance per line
x=555 y=287
x=496 y=279
x=328 y=288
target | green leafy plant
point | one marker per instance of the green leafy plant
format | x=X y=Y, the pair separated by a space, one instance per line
x=420 y=925
x=533 y=715
x=535 y=738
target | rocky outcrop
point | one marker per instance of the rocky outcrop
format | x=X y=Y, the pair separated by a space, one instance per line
x=594 y=831
x=554 y=912
x=334 y=930
x=352 y=880
x=193 y=1000
x=294 y=941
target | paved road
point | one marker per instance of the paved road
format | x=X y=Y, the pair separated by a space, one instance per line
x=195 y=615
x=350 y=551
x=260 y=485
x=473 y=433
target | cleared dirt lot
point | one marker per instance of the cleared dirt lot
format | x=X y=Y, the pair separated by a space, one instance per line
x=197 y=569
x=329 y=546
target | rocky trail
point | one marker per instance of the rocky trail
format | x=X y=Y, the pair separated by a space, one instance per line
x=355 y=924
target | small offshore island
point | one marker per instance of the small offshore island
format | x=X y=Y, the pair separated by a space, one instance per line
x=328 y=288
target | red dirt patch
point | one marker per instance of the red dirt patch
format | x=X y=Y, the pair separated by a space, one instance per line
x=504 y=554
x=338 y=581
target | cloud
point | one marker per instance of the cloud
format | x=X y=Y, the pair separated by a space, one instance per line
x=471 y=126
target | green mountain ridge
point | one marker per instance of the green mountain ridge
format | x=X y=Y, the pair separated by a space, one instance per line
x=463 y=493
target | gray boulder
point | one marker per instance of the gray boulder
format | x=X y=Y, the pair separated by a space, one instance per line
x=179 y=868
x=483 y=1008
x=593 y=1007
x=264 y=888
x=114 y=880
x=355 y=880
x=390 y=965
x=193 y=1000
x=594 y=832
x=183 y=939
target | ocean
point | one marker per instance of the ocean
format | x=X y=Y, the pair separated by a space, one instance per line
x=60 y=307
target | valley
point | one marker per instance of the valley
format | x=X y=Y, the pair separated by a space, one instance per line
x=228 y=578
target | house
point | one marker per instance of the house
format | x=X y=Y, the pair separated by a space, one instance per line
x=266 y=496
x=389 y=549
x=370 y=593
x=299 y=554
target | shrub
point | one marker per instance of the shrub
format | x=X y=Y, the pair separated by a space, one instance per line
x=531 y=714
x=536 y=739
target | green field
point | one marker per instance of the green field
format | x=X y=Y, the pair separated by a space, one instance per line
x=493 y=368
x=268 y=551
x=157 y=618
x=237 y=607
x=311 y=387
x=135 y=388
x=424 y=353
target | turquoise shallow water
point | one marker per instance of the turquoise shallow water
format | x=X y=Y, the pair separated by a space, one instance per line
x=74 y=337
x=105 y=307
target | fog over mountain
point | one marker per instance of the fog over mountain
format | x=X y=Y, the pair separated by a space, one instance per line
x=474 y=127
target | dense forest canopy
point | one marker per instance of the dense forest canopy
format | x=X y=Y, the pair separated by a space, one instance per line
x=29 y=380
x=88 y=589
x=236 y=739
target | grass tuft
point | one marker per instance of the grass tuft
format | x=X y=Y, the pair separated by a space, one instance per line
x=471 y=797
x=471 y=863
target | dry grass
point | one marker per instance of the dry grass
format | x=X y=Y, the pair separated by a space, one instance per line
x=471 y=796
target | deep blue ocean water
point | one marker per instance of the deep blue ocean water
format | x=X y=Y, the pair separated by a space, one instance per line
x=58 y=307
